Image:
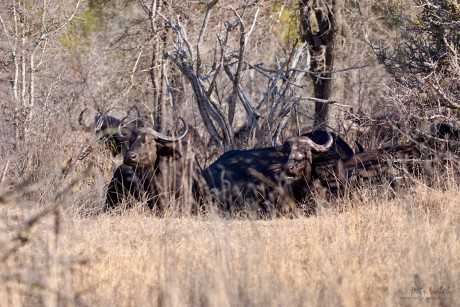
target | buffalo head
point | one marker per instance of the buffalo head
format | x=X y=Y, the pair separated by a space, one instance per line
x=115 y=134
x=299 y=152
x=148 y=144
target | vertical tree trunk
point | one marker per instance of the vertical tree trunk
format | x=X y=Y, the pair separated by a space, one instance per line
x=154 y=71
x=156 y=74
x=321 y=28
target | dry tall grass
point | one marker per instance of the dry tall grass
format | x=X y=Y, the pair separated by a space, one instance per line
x=364 y=255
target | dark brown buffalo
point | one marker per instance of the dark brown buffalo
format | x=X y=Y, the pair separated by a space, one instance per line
x=156 y=168
x=265 y=179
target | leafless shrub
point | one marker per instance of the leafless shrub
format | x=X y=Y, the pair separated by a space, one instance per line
x=419 y=110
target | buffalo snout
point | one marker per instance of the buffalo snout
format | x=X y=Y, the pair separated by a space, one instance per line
x=131 y=158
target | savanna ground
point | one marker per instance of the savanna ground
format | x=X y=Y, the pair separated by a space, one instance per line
x=364 y=254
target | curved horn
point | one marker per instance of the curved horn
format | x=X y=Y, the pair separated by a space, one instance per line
x=120 y=134
x=163 y=137
x=318 y=147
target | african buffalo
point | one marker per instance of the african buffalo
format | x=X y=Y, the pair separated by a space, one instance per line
x=265 y=180
x=157 y=168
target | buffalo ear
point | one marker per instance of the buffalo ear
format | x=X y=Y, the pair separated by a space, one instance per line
x=168 y=150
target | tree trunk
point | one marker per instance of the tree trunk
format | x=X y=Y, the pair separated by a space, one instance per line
x=155 y=74
x=321 y=28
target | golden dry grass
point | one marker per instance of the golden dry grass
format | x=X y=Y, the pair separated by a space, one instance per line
x=361 y=256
